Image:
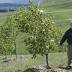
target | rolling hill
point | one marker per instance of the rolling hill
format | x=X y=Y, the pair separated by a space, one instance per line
x=10 y=6
x=57 y=4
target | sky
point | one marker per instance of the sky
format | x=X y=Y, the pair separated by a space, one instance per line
x=14 y=1
x=17 y=1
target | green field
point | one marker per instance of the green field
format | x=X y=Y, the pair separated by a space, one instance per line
x=24 y=62
x=57 y=4
x=61 y=10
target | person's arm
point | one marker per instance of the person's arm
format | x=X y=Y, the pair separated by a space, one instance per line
x=63 y=38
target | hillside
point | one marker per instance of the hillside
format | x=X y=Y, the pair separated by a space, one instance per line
x=10 y=6
x=57 y=4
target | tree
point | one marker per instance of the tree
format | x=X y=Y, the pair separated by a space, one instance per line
x=8 y=37
x=40 y=30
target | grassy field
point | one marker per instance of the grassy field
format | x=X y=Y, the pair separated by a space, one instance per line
x=3 y=17
x=57 y=4
x=25 y=61
x=61 y=10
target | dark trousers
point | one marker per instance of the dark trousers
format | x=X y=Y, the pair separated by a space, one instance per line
x=69 y=54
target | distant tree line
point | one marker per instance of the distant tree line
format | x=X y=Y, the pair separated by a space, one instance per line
x=6 y=10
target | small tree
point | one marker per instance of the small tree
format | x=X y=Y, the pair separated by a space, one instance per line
x=8 y=37
x=41 y=32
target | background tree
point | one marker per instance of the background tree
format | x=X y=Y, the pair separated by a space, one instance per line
x=7 y=37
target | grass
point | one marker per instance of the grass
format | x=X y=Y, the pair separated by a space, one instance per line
x=3 y=16
x=57 y=4
x=24 y=62
x=21 y=47
x=61 y=17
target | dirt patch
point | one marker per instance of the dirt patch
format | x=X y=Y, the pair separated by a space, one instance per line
x=53 y=69
x=43 y=69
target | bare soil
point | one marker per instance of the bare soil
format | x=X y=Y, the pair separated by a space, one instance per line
x=43 y=69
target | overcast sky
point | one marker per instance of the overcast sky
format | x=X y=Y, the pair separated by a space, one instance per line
x=19 y=1
x=14 y=1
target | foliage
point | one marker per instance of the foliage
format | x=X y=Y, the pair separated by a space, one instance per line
x=7 y=37
x=41 y=33
x=40 y=29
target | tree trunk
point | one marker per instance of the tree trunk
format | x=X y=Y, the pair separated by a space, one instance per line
x=15 y=49
x=47 y=61
x=47 y=64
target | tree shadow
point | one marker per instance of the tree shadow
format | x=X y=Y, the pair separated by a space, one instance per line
x=66 y=68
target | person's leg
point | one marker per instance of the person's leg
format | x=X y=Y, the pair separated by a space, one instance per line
x=69 y=54
x=69 y=61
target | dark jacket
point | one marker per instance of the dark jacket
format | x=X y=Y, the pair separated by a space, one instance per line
x=67 y=36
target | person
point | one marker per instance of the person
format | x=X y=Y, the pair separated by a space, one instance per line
x=68 y=37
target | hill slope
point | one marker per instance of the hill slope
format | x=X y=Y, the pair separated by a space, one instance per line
x=57 y=4
x=10 y=6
